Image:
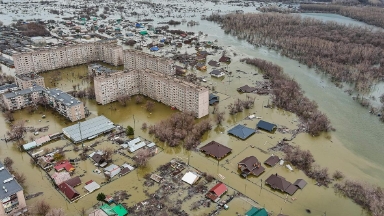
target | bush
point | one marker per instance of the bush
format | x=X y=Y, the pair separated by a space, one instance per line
x=338 y=175
x=100 y=197
x=129 y=131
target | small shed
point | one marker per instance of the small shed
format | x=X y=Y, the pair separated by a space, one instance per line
x=300 y=183
x=242 y=132
x=272 y=161
x=263 y=125
x=190 y=178
x=92 y=187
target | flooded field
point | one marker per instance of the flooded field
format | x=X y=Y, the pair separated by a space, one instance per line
x=355 y=148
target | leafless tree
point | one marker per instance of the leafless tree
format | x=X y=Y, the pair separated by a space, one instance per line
x=139 y=99
x=8 y=115
x=17 y=131
x=219 y=117
x=338 y=175
x=108 y=152
x=56 y=212
x=8 y=162
x=41 y=208
x=123 y=99
x=149 y=106
x=141 y=157
x=144 y=126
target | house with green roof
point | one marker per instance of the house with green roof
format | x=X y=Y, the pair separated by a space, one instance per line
x=256 y=212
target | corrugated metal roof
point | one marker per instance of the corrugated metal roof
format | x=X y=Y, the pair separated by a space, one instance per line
x=137 y=146
x=89 y=128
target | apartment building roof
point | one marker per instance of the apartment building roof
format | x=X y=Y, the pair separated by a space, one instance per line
x=8 y=86
x=101 y=69
x=67 y=99
x=8 y=184
x=23 y=92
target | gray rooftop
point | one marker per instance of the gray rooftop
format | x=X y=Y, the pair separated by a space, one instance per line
x=24 y=91
x=65 y=98
x=8 y=86
x=8 y=185
x=101 y=69
x=89 y=128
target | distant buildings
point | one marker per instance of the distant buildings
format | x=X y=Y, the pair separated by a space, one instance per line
x=54 y=58
x=11 y=194
x=65 y=104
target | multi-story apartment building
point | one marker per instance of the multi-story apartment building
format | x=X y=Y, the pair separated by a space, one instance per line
x=160 y=87
x=110 y=86
x=65 y=104
x=25 y=81
x=22 y=98
x=59 y=57
x=11 y=194
x=134 y=59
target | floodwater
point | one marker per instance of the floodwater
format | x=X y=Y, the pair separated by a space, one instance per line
x=355 y=148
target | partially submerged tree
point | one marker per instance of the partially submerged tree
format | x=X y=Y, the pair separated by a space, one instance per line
x=142 y=156
x=100 y=197
x=149 y=106
x=129 y=131
x=123 y=99
x=41 y=208
x=139 y=99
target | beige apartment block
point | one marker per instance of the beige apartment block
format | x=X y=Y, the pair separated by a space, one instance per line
x=25 y=81
x=110 y=86
x=22 y=98
x=59 y=57
x=11 y=195
x=134 y=59
x=173 y=92
x=65 y=104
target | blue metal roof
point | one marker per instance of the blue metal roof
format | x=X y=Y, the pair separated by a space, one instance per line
x=266 y=126
x=241 y=131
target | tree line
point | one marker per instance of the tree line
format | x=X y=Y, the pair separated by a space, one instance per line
x=350 y=54
x=181 y=128
x=287 y=95
x=370 y=15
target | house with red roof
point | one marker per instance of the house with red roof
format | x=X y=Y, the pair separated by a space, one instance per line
x=67 y=188
x=65 y=164
x=216 y=192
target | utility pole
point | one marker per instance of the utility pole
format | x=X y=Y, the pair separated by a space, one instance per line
x=81 y=137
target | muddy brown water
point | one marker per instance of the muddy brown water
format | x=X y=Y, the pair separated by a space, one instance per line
x=355 y=148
